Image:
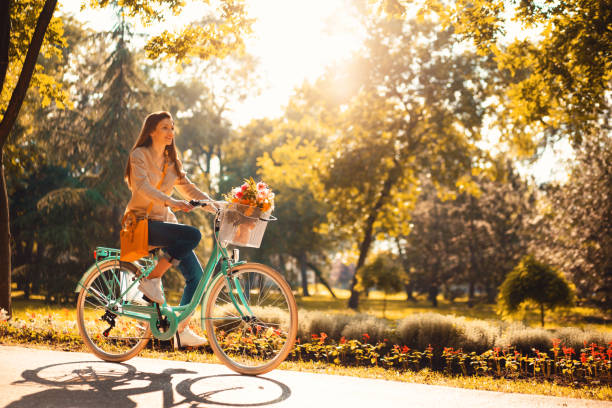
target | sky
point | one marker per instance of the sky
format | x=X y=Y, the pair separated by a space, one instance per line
x=294 y=40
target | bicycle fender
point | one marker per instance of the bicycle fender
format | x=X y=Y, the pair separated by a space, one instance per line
x=96 y=266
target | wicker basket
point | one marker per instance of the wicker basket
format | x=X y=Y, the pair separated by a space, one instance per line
x=242 y=225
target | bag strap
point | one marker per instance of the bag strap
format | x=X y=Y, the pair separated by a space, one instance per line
x=158 y=187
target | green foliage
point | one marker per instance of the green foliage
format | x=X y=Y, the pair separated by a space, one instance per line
x=534 y=281
x=408 y=113
x=23 y=18
x=383 y=273
x=84 y=175
x=557 y=82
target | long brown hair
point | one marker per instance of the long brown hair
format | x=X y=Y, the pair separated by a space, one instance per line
x=144 y=139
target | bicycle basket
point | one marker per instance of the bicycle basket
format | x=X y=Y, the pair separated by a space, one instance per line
x=243 y=225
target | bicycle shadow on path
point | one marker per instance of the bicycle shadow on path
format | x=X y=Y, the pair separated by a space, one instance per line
x=102 y=384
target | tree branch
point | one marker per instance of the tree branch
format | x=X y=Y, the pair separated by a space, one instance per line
x=27 y=70
x=5 y=38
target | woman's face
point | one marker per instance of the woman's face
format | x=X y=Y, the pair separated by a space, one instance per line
x=163 y=133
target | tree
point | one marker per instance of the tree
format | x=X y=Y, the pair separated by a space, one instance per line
x=291 y=170
x=202 y=102
x=14 y=50
x=574 y=231
x=414 y=110
x=471 y=237
x=429 y=253
x=535 y=281
x=383 y=273
x=559 y=80
x=221 y=37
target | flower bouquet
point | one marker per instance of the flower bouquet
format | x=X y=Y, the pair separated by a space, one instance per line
x=247 y=214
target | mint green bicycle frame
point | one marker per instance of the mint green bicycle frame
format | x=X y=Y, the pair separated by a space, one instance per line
x=174 y=314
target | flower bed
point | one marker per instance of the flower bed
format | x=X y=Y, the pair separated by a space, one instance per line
x=591 y=365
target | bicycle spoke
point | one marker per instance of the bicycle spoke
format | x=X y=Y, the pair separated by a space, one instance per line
x=111 y=336
x=259 y=341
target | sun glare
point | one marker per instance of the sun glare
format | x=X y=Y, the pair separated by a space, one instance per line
x=294 y=40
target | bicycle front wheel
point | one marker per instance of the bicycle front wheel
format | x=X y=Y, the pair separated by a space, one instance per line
x=260 y=338
x=108 y=334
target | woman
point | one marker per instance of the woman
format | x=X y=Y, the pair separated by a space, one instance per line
x=153 y=151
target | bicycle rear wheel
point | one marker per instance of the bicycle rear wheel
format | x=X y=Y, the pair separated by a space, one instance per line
x=259 y=341
x=124 y=337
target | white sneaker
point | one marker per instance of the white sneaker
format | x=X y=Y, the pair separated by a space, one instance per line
x=187 y=338
x=152 y=289
x=133 y=295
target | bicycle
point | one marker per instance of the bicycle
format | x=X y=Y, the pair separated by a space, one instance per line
x=248 y=309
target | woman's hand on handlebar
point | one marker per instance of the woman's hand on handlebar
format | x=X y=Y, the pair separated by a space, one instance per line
x=208 y=205
x=181 y=205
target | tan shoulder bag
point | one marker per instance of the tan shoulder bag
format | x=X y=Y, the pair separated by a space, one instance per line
x=135 y=233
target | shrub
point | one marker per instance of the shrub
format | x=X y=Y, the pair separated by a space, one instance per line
x=330 y=324
x=335 y=326
x=576 y=338
x=421 y=330
x=479 y=335
x=376 y=329
x=536 y=281
x=524 y=338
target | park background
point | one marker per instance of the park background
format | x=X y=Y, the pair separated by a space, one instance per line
x=422 y=153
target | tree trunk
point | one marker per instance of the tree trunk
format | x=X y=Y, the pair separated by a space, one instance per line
x=384 y=304
x=473 y=271
x=304 y=276
x=433 y=295
x=408 y=287
x=5 y=244
x=364 y=248
x=319 y=275
x=10 y=116
x=219 y=156
x=471 y=294
x=5 y=38
x=491 y=294
x=281 y=266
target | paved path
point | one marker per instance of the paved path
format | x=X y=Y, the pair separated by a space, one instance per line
x=46 y=378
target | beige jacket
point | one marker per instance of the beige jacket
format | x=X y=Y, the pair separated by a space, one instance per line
x=145 y=176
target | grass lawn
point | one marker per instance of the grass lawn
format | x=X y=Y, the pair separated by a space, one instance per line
x=398 y=307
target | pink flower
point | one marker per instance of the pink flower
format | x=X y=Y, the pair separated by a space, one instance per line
x=244 y=187
x=261 y=185
x=239 y=194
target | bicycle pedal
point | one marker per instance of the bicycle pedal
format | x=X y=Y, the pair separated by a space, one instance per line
x=146 y=299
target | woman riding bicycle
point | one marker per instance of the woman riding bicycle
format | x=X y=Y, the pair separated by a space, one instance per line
x=154 y=155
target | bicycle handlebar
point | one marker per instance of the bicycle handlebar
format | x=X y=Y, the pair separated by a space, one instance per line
x=204 y=203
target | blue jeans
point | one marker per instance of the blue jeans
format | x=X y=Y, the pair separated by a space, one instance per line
x=179 y=241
